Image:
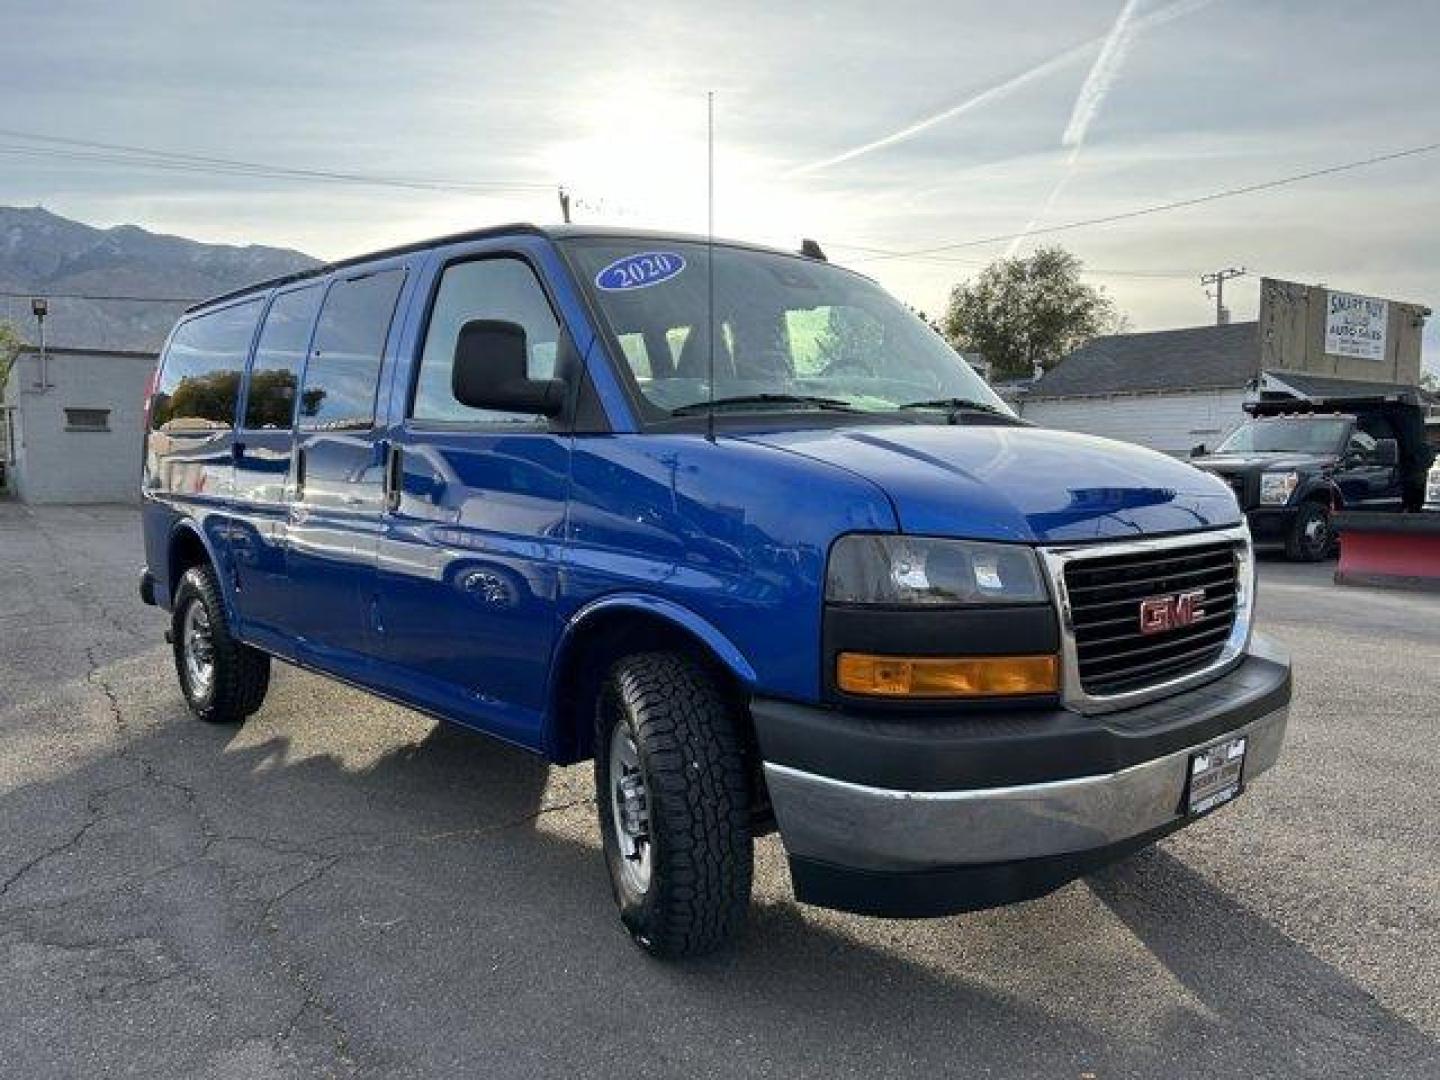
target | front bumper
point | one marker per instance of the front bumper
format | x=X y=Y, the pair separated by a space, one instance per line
x=997 y=807
x=1270 y=525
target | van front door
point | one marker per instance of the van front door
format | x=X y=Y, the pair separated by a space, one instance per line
x=470 y=556
x=338 y=473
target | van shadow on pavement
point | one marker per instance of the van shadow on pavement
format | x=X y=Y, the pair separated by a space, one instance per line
x=302 y=894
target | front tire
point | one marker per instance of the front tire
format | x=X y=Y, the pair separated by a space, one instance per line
x=222 y=679
x=673 y=792
x=1311 y=536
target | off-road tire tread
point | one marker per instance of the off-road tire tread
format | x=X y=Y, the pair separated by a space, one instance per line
x=242 y=673
x=699 y=784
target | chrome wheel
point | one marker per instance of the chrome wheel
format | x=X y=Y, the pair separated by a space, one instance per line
x=197 y=643
x=1317 y=532
x=630 y=811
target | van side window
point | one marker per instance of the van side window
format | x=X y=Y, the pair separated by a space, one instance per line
x=344 y=368
x=504 y=288
x=200 y=375
x=279 y=356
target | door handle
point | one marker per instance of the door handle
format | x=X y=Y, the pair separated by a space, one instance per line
x=394 y=477
x=299 y=473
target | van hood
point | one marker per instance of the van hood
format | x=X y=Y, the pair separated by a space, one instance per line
x=1019 y=483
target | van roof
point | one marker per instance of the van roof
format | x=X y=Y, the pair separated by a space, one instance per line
x=554 y=232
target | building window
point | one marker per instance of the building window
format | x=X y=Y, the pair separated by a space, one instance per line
x=87 y=419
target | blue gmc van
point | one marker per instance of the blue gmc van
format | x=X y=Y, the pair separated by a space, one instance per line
x=733 y=523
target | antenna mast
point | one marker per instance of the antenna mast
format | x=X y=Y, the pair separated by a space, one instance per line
x=710 y=255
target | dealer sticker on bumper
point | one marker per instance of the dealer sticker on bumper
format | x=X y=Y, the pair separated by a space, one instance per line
x=1215 y=775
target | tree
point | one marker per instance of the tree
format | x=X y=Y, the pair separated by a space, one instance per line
x=9 y=351
x=1028 y=312
x=1430 y=381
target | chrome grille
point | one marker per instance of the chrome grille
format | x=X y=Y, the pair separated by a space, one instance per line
x=1113 y=654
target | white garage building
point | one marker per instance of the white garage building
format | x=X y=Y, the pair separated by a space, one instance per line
x=1168 y=390
x=70 y=425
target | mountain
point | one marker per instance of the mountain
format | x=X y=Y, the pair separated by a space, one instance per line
x=43 y=254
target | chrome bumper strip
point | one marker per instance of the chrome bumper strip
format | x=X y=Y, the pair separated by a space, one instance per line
x=855 y=825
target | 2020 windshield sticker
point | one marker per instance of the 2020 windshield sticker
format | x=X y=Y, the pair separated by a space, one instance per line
x=640 y=271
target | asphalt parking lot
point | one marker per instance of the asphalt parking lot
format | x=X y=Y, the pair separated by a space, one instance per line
x=343 y=887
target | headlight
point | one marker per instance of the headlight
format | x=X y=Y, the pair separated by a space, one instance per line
x=867 y=569
x=1277 y=487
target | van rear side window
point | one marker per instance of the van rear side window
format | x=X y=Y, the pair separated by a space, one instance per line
x=344 y=368
x=279 y=357
x=200 y=376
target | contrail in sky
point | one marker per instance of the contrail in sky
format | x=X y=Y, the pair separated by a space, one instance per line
x=1102 y=76
x=1002 y=90
x=1094 y=90
x=985 y=97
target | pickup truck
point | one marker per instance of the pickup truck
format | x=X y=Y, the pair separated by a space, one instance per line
x=1432 y=479
x=1290 y=471
x=737 y=526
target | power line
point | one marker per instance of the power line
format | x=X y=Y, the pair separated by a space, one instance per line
x=1178 y=204
x=108 y=153
x=1098 y=271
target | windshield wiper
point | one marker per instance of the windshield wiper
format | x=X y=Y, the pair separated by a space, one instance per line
x=956 y=404
x=740 y=400
x=955 y=407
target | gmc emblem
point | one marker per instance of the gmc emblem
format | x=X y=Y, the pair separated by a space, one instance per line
x=1161 y=613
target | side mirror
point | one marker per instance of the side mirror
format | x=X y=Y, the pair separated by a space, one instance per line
x=491 y=371
x=1198 y=450
x=1386 y=452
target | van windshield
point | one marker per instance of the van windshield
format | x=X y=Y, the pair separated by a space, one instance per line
x=791 y=332
x=1286 y=436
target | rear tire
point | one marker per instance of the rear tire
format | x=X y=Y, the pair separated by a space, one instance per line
x=222 y=679
x=673 y=792
x=1311 y=537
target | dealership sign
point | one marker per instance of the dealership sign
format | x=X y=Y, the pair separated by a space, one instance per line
x=1355 y=325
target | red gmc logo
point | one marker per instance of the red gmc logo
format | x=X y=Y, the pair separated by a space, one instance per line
x=1161 y=613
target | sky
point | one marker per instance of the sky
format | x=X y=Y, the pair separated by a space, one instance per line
x=902 y=127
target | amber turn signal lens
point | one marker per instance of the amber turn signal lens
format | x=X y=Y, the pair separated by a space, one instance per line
x=937 y=677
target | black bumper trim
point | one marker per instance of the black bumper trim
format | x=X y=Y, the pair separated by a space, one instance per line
x=951 y=890
x=1271 y=524
x=1006 y=747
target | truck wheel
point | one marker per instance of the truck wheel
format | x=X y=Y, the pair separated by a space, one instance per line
x=674 y=798
x=1310 y=536
x=223 y=680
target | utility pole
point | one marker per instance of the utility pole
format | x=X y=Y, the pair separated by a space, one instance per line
x=40 y=307
x=1218 y=279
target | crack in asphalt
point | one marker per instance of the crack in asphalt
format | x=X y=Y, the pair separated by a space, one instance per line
x=324 y=853
x=152 y=775
x=69 y=844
